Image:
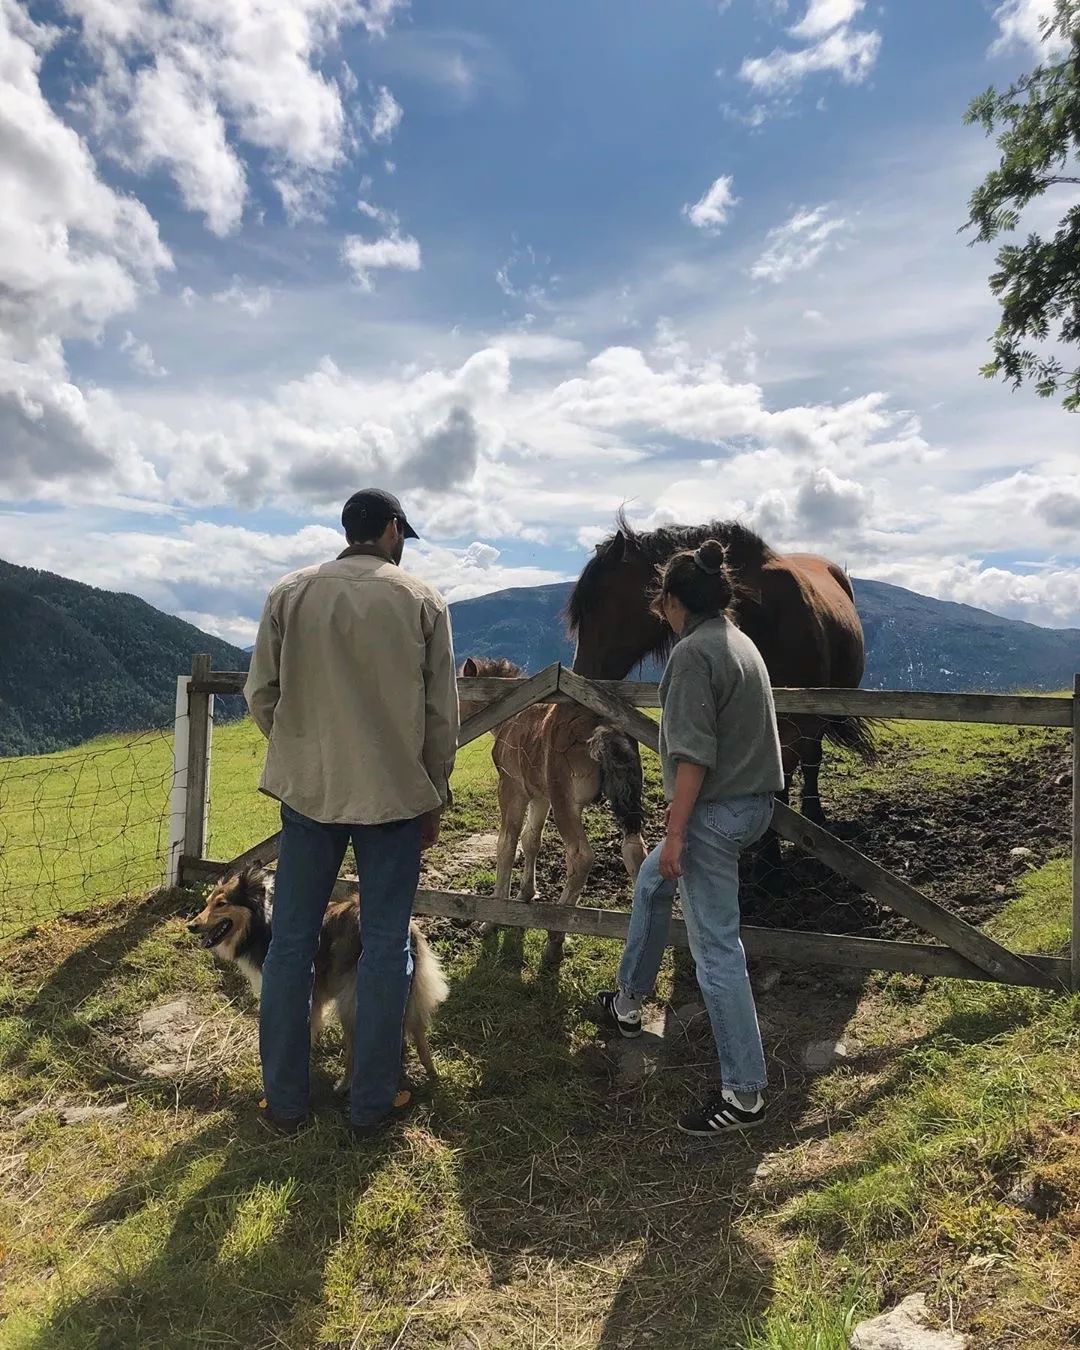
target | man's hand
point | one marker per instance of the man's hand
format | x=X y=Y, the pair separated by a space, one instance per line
x=429 y=829
x=671 y=855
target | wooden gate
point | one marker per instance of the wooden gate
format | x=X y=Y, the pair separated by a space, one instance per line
x=961 y=951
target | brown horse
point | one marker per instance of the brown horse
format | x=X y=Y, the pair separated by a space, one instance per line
x=798 y=608
x=558 y=758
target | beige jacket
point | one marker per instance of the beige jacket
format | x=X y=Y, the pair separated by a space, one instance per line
x=352 y=680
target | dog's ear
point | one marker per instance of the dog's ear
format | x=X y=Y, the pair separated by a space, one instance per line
x=470 y=669
x=248 y=886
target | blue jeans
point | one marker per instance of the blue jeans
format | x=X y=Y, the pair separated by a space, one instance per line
x=388 y=866
x=709 y=890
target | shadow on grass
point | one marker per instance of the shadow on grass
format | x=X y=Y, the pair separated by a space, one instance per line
x=554 y=1168
x=77 y=978
x=560 y=1166
x=241 y=1261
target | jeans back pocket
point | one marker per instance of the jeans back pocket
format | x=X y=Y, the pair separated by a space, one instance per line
x=741 y=820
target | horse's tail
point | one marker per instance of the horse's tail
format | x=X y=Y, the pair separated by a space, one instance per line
x=621 y=781
x=854 y=733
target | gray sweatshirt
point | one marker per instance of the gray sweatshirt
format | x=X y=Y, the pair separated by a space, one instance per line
x=718 y=712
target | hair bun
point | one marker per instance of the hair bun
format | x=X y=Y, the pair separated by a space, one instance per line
x=711 y=557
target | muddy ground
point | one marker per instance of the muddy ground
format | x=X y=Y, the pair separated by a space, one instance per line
x=955 y=843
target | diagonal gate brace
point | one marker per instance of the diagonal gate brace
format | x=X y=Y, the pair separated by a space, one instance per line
x=901 y=896
x=848 y=862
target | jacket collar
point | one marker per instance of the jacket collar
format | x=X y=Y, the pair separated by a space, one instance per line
x=366 y=551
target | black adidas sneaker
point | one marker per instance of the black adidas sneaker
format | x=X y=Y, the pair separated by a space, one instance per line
x=722 y=1114
x=604 y=1015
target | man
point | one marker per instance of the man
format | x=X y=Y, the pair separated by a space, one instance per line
x=352 y=680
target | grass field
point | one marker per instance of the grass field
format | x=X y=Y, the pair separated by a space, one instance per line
x=531 y=1201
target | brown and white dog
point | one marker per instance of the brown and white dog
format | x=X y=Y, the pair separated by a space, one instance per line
x=235 y=926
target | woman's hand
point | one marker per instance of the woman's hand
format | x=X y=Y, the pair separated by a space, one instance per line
x=671 y=855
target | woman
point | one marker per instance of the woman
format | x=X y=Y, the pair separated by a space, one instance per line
x=720 y=753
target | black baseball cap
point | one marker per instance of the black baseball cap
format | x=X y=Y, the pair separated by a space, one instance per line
x=368 y=512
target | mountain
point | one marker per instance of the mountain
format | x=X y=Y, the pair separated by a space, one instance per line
x=526 y=625
x=913 y=641
x=77 y=662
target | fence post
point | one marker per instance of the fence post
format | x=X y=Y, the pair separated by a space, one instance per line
x=1075 y=938
x=198 y=760
x=178 y=795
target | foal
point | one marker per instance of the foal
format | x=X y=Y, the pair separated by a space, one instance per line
x=558 y=758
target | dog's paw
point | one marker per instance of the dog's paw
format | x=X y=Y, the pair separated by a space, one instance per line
x=341 y=1086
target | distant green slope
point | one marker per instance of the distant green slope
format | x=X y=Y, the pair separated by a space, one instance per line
x=78 y=662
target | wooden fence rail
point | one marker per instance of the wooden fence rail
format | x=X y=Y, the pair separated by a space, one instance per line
x=966 y=953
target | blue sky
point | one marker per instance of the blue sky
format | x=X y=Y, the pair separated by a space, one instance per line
x=522 y=263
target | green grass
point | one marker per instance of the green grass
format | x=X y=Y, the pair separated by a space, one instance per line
x=88 y=824
x=528 y=1202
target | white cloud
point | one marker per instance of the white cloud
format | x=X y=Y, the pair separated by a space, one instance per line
x=826 y=502
x=1020 y=25
x=178 y=86
x=379 y=213
x=170 y=570
x=141 y=355
x=541 y=347
x=525 y=276
x=73 y=252
x=396 y=251
x=1049 y=596
x=386 y=115
x=823 y=16
x=175 y=123
x=378 y=15
x=846 y=52
x=711 y=211
x=251 y=300
x=798 y=243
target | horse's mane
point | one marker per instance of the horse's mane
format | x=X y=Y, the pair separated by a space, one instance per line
x=496 y=668
x=746 y=550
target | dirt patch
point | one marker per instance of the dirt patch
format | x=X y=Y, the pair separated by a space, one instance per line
x=178 y=1040
x=954 y=843
x=462 y=856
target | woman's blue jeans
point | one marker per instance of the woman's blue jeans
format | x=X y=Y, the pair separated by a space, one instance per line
x=709 y=890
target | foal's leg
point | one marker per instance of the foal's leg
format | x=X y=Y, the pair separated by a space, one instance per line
x=513 y=800
x=579 y=862
x=531 y=837
x=633 y=855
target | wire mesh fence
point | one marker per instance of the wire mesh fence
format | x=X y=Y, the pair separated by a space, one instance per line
x=83 y=825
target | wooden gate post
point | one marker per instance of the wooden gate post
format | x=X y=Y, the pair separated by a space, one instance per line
x=178 y=793
x=198 y=764
x=1075 y=934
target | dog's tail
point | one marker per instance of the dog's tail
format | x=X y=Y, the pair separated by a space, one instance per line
x=429 y=987
x=621 y=782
